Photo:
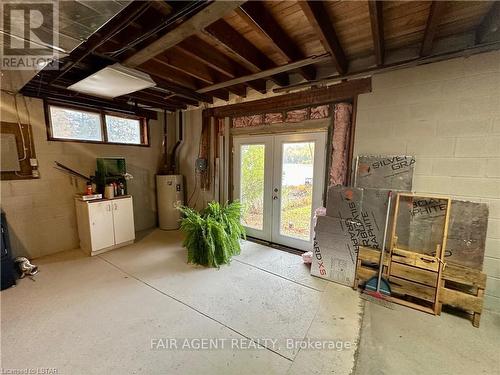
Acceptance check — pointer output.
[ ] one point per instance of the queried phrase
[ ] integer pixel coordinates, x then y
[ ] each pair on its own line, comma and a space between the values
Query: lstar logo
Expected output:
29, 33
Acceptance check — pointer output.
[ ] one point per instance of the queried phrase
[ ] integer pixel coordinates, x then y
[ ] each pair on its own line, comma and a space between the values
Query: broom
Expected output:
377, 286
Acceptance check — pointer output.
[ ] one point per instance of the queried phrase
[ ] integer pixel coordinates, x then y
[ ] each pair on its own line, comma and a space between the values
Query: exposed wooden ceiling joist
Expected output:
259, 19
318, 18
377, 24
179, 90
196, 23
438, 8
199, 50
230, 38
490, 26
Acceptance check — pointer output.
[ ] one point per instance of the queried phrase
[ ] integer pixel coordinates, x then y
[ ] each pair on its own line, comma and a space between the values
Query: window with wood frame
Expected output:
78, 124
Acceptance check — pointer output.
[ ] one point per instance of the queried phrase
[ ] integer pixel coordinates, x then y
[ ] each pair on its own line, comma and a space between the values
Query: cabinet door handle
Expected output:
116, 206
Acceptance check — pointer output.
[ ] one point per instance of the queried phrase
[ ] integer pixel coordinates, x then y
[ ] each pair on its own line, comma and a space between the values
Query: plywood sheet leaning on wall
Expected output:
385, 172
467, 234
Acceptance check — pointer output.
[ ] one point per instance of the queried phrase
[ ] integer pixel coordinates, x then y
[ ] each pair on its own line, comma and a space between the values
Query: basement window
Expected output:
75, 124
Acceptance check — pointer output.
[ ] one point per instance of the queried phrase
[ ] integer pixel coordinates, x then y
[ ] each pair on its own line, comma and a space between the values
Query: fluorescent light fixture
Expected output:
112, 81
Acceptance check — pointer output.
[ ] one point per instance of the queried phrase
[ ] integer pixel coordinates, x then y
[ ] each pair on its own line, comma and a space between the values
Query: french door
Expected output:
279, 179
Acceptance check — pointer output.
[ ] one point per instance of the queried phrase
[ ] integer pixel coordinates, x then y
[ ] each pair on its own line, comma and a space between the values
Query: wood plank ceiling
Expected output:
188, 47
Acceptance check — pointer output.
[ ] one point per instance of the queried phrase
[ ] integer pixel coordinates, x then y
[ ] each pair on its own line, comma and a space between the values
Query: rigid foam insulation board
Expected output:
373, 214
385, 172
467, 234
420, 224
344, 202
367, 206
335, 249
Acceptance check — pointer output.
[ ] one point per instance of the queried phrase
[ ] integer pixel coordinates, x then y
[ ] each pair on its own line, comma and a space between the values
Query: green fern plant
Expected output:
212, 236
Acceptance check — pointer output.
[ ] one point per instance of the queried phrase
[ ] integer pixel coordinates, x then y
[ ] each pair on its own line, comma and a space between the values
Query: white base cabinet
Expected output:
105, 224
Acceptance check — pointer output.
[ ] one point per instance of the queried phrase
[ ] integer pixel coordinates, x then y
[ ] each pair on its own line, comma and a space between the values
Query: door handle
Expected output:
115, 206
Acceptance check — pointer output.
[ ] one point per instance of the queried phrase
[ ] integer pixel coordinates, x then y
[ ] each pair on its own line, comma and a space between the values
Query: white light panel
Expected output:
112, 81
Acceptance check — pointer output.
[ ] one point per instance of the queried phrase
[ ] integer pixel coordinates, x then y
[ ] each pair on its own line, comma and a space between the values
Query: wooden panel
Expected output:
367, 254
414, 274
404, 22
352, 24
461, 300
464, 275
415, 259
408, 288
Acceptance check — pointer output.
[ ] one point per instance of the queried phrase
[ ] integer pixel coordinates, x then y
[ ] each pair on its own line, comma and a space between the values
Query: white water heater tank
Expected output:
170, 194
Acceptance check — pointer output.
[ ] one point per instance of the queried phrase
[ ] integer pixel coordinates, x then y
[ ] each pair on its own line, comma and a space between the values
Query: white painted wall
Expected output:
41, 213
447, 114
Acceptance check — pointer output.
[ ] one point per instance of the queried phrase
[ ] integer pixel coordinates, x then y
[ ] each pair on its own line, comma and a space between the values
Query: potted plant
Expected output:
213, 235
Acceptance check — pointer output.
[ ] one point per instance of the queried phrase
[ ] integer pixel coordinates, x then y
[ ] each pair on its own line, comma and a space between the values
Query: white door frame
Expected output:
265, 233
272, 179
319, 139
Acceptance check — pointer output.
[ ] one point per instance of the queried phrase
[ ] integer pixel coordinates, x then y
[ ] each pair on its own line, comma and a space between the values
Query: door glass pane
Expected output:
296, 190
252, 185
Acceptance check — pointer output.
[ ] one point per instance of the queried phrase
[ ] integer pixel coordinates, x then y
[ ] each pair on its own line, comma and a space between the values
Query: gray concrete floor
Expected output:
100, 315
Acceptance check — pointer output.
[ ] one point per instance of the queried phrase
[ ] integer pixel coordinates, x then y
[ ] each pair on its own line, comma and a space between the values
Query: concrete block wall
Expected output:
41, 213
447, 114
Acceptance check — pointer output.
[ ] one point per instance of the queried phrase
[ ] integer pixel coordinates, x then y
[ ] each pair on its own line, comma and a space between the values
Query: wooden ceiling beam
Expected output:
65, 96
255, 14
177, 59
436, 13
205, 53
219, 93
377, 24
169, 87
489, 28
232, 40
165, 71
266, 73
176, 100
318, 18
199, 50
211, 13
315, 96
